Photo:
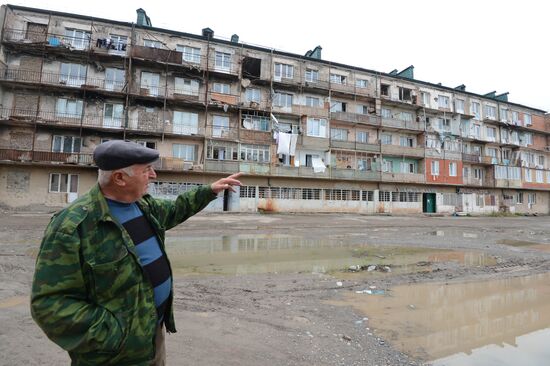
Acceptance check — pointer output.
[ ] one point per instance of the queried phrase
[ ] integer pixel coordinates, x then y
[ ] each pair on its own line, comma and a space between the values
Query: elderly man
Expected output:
102, 288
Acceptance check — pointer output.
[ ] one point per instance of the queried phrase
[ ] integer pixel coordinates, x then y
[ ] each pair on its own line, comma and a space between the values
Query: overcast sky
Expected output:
485, 44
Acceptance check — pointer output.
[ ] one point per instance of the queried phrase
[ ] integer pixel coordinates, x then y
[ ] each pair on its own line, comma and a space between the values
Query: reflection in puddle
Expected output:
242, 254
457, 324
526, 244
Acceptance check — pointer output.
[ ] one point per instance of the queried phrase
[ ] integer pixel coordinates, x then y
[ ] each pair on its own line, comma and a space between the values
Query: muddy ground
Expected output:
278, 318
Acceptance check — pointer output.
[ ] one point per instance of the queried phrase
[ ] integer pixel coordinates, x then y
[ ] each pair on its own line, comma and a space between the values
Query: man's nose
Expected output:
152, 174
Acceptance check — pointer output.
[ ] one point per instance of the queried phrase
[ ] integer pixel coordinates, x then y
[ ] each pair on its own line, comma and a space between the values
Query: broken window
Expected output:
338, 107
405, 94
385, 90
338, 79
189, 54
251, 68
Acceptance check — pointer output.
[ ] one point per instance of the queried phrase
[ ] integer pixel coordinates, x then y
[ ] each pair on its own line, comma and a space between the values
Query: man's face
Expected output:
136, 184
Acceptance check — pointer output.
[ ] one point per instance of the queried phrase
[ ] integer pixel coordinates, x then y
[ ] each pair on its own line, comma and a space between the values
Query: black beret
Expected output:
118, 154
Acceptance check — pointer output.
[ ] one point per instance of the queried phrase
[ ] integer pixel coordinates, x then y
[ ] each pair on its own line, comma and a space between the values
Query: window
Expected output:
78, 39
492, 152
384, 196
385, 90
63, 183
490, 112
256, 153
221, 88
475, 110
515, 116
539, 176
406, 141
184, 151
283, 71
519, 198
425, 98
527, 138
531, 198
540, 160
452, 169
186, 123
503, 114
385, 139
444, 124
72, 74
504, 136
113, 114
477, 131
258, 123
435, 167
478, 173
364, 164
338, 79
186, 86
361, 83
338, 107
222, 150
312, 76
247, 192
459, 105
363, 109
220, 127
222, 61
313, 102
405, 94
69, 108
506, 154
66, 144
114, 79
317, 127
465, 172
339, 134
282, 100
443, 101
253, 95
528, 176
491, 133
387, 166
150, 81
152, 43
406, 116
386, 113
118, 43
527, 119
362, 137
408, 167
149, 144
190, 54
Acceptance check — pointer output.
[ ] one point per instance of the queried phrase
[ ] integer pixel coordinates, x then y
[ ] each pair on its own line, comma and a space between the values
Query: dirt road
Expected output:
278, 307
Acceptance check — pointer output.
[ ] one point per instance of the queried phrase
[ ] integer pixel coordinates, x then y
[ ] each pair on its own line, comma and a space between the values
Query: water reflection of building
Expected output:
449, 319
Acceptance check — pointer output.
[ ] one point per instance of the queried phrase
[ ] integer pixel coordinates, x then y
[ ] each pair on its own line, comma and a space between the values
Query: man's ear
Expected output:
118, 179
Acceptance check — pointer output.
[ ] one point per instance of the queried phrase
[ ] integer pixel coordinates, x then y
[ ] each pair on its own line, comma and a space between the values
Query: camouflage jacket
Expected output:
89, 293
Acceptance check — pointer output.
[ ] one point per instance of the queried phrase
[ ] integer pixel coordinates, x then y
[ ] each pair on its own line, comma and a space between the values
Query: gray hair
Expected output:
104, 176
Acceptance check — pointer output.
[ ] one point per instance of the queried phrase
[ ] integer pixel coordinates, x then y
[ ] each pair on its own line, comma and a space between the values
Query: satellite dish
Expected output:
245, 83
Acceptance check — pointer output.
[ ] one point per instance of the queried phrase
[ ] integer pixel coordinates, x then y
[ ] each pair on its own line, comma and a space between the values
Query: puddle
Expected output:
504, 322
244, 254
526, 244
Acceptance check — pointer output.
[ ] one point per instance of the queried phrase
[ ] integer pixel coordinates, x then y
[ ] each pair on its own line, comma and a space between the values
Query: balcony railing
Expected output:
48, 39
176, 164
401, 124
157, 54
417, 152
479, 159
355, 174
37, 77
46, 157
367, 119
403, 177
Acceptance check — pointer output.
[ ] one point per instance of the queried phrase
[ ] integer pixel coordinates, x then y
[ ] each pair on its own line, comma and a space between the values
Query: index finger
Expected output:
236, 175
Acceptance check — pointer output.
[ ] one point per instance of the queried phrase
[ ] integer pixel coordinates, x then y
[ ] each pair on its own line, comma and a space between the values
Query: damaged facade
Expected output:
310, 135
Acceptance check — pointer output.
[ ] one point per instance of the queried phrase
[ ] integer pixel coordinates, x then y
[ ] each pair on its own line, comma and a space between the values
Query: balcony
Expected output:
366, 119
222, 132
221, 98
28, 156
315, 142
254, 168
157, 54
46, 78
417, 152
443, 154
52, 40
402, 125
355, 174
471, 181
508, 183
367, 147
305, 110
223, 65
255, 136
403, 177
478, 159
221, 166
342, 87
342, 144
175, 164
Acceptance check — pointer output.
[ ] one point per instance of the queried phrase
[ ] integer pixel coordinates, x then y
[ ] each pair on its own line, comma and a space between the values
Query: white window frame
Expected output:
459, 106
453, 169
220, 124
152, 43
69, 108
283, 71
527, 119
317, 127
338, 79
339, 134
253, 95
254, 153
362, 137
186, 152
475, 109
361, 83
78, 38
150, 81
313, 101
282, 100
435, 167
190, 54
72, 74
114, 79
222, 61
113, 115
443, 101
312, 75
221, 88
185, 123
186, 86
68, 178
74, 144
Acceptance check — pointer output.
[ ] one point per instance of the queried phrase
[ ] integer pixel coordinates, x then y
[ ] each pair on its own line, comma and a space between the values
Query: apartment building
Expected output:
310, 135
